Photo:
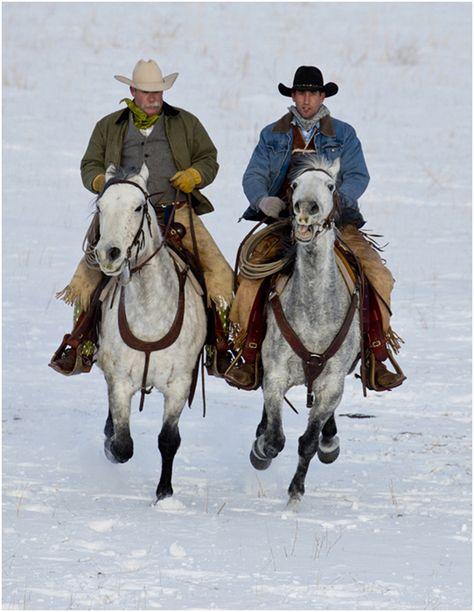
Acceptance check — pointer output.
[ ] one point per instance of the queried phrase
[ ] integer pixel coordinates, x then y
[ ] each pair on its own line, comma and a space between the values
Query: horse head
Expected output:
312, 195
123, 216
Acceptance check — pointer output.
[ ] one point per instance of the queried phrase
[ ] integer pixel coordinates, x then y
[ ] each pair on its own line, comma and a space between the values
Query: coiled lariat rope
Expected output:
251, 270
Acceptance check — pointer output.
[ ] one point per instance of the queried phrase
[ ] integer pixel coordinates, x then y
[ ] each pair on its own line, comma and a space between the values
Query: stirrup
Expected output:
244, 375
82, 363
371, 367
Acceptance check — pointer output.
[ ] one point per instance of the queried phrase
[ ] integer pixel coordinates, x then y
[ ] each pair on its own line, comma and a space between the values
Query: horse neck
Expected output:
316, 268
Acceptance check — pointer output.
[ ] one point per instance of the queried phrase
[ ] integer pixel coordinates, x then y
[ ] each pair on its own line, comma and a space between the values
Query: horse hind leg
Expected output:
329, 447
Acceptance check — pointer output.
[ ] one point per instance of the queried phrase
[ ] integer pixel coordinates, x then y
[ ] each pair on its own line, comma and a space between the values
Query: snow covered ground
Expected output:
388, 526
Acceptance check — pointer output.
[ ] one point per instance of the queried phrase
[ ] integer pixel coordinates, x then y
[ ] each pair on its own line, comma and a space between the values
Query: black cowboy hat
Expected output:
309, 78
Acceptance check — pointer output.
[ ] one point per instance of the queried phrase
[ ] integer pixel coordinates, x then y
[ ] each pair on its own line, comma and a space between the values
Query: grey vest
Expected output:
155, 151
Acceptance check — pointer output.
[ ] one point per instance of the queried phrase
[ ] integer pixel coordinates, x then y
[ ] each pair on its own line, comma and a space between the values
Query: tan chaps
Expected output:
370, 261
218, 274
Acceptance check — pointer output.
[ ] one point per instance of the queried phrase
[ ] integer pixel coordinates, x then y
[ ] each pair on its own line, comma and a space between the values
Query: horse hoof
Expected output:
294, 503
257, 459
117, 454
328, 450
163, 494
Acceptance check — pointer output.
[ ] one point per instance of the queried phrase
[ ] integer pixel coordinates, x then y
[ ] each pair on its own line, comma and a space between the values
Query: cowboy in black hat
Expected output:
309, 128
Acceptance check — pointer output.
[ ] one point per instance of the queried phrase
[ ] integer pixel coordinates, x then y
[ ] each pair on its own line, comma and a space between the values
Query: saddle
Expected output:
246, 372
77, 349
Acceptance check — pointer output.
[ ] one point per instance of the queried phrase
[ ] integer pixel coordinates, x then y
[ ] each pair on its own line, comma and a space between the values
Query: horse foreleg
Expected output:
328, 449
307, 448
118, 444
109, 426
169, 439
321, 421
263, 423
270, 437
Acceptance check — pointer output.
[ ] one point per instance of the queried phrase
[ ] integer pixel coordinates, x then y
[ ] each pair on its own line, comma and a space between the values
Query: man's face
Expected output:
308, 102
149, 101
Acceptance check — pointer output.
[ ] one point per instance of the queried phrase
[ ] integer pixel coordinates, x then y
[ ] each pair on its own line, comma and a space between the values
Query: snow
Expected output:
388, 525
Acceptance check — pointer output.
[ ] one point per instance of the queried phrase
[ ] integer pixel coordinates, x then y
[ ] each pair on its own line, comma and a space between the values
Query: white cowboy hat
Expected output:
147, 76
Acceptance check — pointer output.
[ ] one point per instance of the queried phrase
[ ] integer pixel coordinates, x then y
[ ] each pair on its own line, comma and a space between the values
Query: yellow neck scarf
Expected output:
140, 119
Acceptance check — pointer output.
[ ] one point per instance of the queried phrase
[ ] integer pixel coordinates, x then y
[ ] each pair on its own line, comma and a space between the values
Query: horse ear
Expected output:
335, 167
144, 173
110, 172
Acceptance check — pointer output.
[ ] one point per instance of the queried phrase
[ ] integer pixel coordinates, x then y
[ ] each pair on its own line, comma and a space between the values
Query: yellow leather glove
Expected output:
186, 180
98, 183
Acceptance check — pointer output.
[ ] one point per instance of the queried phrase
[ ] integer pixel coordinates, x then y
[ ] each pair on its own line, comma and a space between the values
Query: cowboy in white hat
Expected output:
181, 159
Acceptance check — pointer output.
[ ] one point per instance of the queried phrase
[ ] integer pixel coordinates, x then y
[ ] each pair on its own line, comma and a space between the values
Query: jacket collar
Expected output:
325, 125
168, 110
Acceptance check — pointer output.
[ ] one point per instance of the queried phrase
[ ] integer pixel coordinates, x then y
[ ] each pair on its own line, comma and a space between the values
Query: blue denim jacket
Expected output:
268, 166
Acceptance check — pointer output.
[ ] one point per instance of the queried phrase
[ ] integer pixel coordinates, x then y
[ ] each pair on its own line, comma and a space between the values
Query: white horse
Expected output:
313, 333
153, 324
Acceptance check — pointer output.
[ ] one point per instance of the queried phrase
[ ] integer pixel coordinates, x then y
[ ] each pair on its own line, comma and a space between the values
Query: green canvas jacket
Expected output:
189, 142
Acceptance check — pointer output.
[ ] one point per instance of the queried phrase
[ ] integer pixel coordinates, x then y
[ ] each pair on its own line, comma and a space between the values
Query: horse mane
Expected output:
117, 174
121, 174
307, 161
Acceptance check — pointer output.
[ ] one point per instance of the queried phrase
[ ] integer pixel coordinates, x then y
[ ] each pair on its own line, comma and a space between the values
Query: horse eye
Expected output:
331, 187
293, 185
139, 208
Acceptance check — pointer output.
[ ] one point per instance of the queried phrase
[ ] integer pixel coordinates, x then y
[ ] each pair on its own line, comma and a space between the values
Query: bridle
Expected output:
330, 220
138, 239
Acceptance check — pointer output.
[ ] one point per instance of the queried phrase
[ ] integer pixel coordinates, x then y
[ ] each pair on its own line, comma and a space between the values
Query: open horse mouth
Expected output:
110, 270
110, 267
304, 233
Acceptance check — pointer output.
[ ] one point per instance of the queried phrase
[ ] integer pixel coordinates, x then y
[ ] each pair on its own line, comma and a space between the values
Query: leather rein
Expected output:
314, 363
148, 347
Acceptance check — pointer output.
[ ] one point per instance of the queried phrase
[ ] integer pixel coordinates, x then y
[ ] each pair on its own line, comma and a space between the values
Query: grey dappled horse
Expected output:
154, 308
317, 307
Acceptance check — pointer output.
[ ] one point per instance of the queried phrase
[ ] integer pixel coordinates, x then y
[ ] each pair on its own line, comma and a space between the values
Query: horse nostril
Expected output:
114, 253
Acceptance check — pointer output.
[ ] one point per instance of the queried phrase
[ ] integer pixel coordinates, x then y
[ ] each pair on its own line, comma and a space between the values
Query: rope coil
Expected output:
251, 270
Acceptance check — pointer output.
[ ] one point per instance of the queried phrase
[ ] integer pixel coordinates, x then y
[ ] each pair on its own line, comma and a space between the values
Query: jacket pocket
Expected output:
331, 150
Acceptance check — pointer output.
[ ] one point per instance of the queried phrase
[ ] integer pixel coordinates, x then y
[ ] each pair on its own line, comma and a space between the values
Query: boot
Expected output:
245, 375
